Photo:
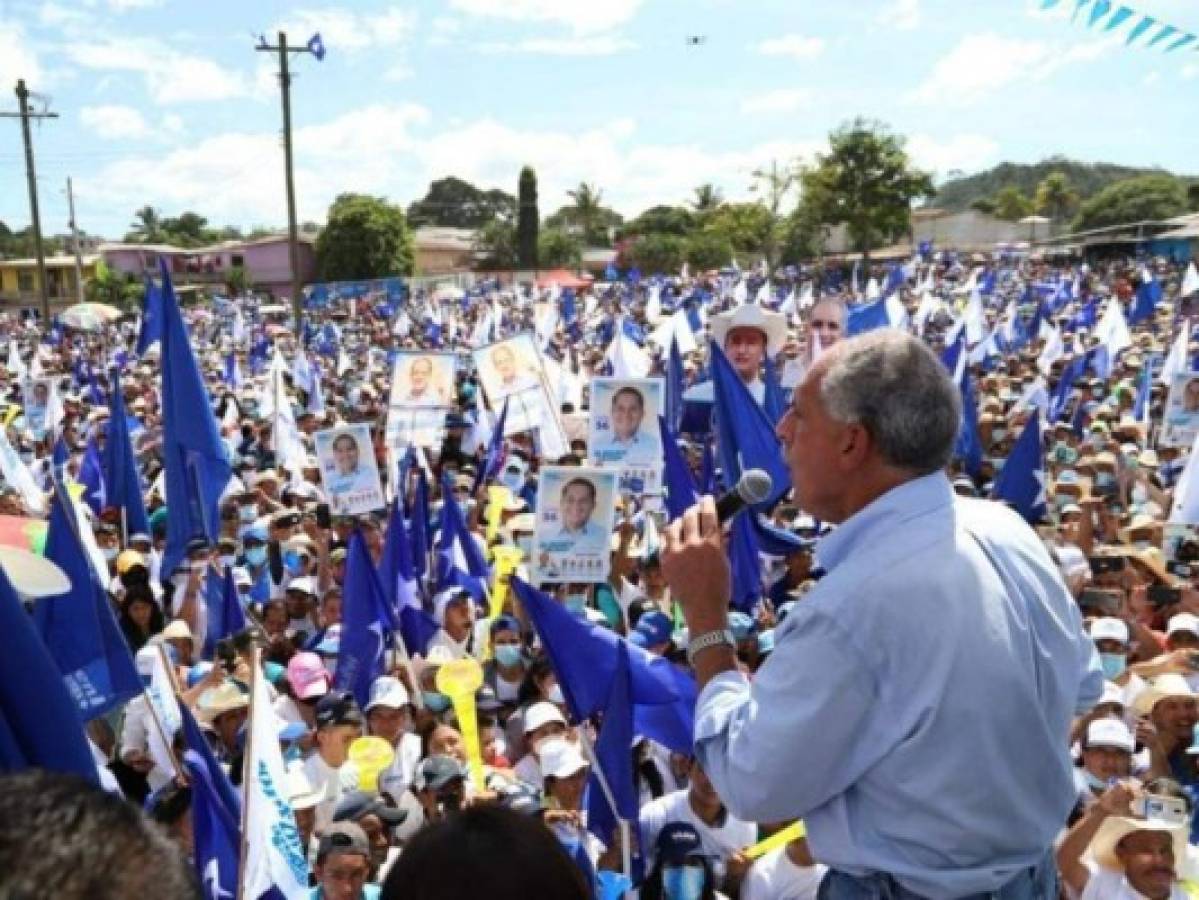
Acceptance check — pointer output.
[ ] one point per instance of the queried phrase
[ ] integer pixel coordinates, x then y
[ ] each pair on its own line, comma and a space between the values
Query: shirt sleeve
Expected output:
798, 735
1090, 687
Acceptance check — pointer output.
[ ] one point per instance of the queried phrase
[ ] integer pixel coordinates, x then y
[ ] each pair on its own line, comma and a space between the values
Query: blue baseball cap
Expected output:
678, 843
742, 625
653, 629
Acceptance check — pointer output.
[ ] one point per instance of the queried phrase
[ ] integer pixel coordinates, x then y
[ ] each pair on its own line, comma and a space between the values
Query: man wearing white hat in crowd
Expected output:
1107, 748
1169, 703
542, 722
1111, 640
135, 729
747, 335
389, 715
459, 634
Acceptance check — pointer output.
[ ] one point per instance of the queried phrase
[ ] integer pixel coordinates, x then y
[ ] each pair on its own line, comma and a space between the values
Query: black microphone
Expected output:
752, 487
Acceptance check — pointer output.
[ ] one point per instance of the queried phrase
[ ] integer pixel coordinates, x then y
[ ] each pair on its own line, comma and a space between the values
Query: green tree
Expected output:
1144, 198
187, 230
743, 226
1011, 204
556, 247
146, 227
114, 288
866, 182
984, 205
1056, 197
801, 235
676, 220
364, 237
1193, 196
773, 185
706, 250
588, 207
496, 243
657, 254
453, 203
527, 219
237, 281
707, 198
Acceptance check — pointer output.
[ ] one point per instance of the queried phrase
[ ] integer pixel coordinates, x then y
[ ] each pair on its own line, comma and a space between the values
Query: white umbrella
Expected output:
89, 316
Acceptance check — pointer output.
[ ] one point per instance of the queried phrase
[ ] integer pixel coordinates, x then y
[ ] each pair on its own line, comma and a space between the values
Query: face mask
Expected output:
247, 513
228, 560
1142, 545
1096, 440
682, 882
576, 603
507, 654
109, 553
556, 695
996, 463
435, 702
256, 556
513, 479
1094, 782
1113, 665
1139, 494
293, 562
1105, 480
998, 434
26, 457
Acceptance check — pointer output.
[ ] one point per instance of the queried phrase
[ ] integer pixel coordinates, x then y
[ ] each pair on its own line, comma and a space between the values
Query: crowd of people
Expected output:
397, 790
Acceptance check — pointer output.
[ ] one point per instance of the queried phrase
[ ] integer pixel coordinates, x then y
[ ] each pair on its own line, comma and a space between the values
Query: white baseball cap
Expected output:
542, 714
1109, 629
388, 691
1109, 733
1112, 693
560, 758
1188, 622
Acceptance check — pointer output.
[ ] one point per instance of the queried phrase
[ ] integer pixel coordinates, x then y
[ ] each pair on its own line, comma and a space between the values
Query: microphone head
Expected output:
754, 486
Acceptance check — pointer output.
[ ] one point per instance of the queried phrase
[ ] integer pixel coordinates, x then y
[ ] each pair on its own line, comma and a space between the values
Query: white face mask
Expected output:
555, 696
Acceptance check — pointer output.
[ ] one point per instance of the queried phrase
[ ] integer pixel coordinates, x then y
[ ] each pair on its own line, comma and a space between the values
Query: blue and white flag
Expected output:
1021, 481
215, 835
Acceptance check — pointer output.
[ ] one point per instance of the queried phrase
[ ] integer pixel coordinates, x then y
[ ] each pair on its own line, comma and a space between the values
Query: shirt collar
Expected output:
903, 502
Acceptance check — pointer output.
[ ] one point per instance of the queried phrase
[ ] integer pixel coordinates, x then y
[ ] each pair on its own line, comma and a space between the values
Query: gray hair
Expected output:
834, 301
894, 386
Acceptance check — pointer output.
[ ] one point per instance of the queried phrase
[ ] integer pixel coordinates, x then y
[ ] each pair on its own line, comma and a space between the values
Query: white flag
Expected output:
1112, 330
17, 474
740, 292
975, 318
676, 328
653, 304
1176, 361
16, 365
1053, 350
160, 694
627, 359
274, 855
1190, 281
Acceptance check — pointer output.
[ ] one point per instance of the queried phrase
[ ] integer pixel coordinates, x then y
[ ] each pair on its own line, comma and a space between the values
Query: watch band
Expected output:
701, 642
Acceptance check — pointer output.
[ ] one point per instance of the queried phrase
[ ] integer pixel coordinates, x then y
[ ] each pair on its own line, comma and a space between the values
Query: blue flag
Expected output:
459, 558
225, 613
39, 721
746, 436
495, 452
745, 563
773, 401
419, 526
366, 621
707, 470
583, 656
865, 317
968, 447
1149, 294
215, 833
195, 742
1140, 408
676, 475
1021, 481
78, 627
91, 476
674, 387
1059, 402
121, 478
151, 330
397, 577
614, 756
194, 457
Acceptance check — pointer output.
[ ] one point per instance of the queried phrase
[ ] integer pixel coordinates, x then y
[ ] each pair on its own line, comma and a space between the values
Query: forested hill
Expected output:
1086, 178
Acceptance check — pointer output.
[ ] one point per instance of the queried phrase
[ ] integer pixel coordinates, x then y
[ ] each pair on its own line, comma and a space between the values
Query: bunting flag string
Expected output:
1161, 35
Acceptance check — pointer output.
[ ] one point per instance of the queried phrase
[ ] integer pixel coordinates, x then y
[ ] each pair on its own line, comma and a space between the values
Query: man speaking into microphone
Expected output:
916, 709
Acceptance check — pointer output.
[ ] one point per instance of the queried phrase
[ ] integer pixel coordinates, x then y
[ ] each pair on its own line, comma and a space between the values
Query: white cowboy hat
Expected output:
1171, 684
33, 576
751, 315
1115, 828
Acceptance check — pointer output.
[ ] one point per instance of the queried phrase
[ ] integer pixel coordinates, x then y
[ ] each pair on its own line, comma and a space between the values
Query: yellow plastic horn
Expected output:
776, 840
459, 680
371, 756
506, 560
497, 498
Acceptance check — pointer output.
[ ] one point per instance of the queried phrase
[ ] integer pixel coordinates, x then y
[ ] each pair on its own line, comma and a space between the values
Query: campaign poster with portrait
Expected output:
422, 392
624, 432
348, 470
511, 372
1180, 423
576, 509
36, 394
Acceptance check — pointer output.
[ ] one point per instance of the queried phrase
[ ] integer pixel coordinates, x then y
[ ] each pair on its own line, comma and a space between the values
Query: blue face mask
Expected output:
293, 562
682, 882
576, 603
256, 556
1113, 665
1094, 782
1105, 480
507, 655
247, 513
435, 702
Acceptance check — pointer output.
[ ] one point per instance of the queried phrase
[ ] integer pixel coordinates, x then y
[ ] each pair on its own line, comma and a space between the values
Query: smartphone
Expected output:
1103, 602
1105, 565
1170, 810
1160, 595
324, 518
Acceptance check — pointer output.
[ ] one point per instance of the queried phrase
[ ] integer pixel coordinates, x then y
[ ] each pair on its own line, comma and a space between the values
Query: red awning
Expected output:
563, 279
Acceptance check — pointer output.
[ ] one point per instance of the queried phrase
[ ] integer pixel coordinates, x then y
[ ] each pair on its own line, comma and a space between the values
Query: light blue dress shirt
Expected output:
916, 709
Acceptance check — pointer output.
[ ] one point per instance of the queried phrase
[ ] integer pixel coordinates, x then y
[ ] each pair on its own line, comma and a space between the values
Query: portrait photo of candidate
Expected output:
623, 428
40, 394
348, 468
424, 385
511, 372
345, 456
1190, 396
576, 503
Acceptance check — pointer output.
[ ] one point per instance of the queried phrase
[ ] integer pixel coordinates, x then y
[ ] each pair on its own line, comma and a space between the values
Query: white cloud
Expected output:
1190, 70
115, 122
170, 76
783, 100
795, 46
17, 58
346, 31
982, 64
581, 16
125, 5
593, 45
966, 152
902, 15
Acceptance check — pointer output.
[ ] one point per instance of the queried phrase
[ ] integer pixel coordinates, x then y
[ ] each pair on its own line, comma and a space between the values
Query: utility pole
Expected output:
31, 176
317, 50
75, 240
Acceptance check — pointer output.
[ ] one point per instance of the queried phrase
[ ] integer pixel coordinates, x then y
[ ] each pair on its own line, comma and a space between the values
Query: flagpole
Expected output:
247, 773
626, 851
166, 741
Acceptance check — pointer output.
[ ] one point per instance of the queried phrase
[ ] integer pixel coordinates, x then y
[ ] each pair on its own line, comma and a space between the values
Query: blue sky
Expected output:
165, 102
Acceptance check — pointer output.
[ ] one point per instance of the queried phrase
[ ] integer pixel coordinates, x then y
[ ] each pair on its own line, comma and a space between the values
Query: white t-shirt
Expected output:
1107, 884
327, 780
776, 877
528, 770
288, 710
720, 842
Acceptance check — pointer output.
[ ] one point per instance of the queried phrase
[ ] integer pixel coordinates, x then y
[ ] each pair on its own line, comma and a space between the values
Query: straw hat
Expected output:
32, 575
219, 700
1115, 828
1171, 684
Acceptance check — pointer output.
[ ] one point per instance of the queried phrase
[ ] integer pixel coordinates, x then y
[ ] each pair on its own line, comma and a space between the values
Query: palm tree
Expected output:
707, 198
1056, 196
147, 225
588, 202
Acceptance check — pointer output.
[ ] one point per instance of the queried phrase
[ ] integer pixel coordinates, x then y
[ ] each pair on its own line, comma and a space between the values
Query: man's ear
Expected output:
856, 445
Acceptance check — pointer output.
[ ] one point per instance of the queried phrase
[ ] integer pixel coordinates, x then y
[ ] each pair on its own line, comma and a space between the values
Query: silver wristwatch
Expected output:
701, 642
